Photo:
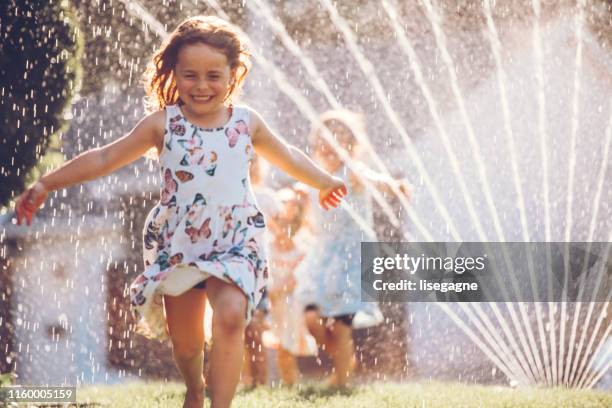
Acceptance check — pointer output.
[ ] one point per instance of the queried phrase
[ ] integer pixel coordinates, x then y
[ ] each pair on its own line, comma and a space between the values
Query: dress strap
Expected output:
171, 111
241, 112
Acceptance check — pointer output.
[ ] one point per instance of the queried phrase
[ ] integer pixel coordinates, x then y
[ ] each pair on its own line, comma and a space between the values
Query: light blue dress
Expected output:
330, 275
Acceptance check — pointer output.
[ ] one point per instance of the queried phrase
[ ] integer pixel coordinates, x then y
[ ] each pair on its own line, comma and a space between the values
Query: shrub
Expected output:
39, 75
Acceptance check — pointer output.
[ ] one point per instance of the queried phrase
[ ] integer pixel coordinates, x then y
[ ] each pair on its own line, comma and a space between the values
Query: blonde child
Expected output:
287, 326
255, 366
206, 227
330, 288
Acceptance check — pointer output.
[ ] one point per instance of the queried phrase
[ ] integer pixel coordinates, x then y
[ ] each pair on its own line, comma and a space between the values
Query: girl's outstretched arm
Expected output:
93, 163
382, 182
296, 163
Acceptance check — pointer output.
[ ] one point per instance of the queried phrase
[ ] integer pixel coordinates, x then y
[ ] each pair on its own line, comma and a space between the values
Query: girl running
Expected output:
330, 276
205, 236
291, 338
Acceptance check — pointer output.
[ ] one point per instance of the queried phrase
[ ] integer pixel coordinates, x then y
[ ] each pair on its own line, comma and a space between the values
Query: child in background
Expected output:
255, 366
330, 276
288, 327
205, 238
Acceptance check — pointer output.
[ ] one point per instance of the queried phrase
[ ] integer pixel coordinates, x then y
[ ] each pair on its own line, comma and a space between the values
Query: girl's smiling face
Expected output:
203, 78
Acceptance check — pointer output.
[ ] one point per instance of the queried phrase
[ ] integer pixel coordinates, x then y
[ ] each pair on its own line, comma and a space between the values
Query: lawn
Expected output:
416, 395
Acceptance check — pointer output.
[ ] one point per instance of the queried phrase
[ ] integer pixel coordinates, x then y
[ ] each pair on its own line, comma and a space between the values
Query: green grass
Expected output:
416, 395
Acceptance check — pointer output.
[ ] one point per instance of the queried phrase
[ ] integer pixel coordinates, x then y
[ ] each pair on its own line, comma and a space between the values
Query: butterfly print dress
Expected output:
206, 223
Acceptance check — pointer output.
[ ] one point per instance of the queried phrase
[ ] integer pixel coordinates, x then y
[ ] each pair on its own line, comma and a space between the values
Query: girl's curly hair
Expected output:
353, 122
159, 82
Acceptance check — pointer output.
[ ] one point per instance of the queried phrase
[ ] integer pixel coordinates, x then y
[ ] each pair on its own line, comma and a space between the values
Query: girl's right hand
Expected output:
30, 201
331, 196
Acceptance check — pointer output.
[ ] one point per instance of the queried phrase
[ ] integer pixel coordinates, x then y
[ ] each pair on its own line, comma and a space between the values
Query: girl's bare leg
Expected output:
287, 366
336, 338
185, 319
316, 326
229, 320
343, 355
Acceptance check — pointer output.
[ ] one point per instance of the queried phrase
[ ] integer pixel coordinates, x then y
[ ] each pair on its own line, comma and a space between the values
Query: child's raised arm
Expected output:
294, 162
382, 182
93, 163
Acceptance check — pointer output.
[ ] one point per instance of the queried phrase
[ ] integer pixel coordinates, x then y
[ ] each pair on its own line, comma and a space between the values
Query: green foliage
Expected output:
39, 75
118, 44
53, 158
7, 379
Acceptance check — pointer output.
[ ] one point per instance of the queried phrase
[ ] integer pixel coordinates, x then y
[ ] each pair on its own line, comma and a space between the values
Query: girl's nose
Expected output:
201, 85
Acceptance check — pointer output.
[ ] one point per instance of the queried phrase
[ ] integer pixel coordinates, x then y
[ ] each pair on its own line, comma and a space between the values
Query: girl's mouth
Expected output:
202, 99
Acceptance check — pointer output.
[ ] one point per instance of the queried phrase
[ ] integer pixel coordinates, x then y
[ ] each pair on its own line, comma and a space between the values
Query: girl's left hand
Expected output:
405, 188
331, 196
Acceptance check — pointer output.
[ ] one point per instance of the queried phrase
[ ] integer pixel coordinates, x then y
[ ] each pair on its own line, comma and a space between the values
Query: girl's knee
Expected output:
187, 348
230, 317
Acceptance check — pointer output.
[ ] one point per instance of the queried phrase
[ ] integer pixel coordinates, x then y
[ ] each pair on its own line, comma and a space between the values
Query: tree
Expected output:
118, 45
39, 75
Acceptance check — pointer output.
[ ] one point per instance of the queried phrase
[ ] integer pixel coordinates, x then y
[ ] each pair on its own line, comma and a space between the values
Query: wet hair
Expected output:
159, 81
351, 121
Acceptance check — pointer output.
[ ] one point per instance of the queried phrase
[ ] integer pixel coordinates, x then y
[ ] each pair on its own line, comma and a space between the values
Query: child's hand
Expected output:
331, 196
405, 187
30, 201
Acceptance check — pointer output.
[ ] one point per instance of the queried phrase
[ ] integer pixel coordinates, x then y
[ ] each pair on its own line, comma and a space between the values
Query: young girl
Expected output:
207, 230
255, 366
331, 275
288, 327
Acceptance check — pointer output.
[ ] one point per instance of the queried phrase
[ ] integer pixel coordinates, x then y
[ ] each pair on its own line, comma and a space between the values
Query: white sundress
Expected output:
206, 223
